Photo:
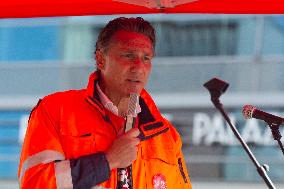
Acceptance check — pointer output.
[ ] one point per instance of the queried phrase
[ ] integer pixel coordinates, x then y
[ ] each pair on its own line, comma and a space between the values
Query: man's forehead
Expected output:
131, 37
131, 41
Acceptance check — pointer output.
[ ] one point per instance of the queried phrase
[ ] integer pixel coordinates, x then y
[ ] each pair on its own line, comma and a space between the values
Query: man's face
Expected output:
126, 64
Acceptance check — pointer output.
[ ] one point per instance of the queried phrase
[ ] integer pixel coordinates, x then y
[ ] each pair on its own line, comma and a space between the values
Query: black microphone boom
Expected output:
251, 112
216, 87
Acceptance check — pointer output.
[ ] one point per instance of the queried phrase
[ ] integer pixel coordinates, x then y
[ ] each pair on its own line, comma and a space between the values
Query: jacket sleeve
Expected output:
43, 163
180, 159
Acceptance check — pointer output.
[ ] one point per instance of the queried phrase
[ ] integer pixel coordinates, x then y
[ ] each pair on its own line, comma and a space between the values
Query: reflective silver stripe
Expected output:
99, 187
63, 175
44, 157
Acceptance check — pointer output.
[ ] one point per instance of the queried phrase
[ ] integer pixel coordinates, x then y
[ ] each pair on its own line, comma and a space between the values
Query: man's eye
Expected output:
129, 55
147, 58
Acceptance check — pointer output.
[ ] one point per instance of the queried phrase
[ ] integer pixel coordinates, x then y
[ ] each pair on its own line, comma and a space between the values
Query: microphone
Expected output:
251, 112
131, 111
124, 180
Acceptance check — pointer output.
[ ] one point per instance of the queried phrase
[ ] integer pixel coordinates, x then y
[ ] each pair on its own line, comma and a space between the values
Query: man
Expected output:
77, 139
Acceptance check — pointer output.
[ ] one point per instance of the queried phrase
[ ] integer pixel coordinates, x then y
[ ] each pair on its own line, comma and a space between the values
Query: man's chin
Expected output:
134, 90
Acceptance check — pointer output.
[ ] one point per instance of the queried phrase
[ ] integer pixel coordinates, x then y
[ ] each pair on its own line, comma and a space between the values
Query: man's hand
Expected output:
123, 151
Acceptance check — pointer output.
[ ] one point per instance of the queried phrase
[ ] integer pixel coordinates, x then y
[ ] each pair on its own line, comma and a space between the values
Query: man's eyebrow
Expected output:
127, 49
149, 54
131, 50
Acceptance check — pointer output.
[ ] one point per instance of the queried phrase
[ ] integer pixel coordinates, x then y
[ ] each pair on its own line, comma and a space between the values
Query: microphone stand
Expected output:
216, 87
276, 134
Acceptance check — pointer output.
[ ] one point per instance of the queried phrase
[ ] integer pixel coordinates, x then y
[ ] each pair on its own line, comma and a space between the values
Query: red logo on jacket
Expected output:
159, 181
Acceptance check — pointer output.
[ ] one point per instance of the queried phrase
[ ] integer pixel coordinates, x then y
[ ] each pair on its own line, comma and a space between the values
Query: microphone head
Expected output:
133, 102
248, 111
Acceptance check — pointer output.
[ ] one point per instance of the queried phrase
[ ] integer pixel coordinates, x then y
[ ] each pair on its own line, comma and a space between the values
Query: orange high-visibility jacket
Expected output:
67, 127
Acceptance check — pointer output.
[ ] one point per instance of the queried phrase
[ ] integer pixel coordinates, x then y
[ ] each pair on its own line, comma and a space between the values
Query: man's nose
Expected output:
138, 62
138, 65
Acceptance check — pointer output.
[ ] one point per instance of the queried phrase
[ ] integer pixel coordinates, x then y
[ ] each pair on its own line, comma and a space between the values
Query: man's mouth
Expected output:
133, 80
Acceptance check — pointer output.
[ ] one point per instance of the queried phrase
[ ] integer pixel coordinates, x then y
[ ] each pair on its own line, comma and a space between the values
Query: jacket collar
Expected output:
151, 122
91, 93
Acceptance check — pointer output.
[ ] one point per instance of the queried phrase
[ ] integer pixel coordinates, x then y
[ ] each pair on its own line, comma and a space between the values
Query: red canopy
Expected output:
42, 8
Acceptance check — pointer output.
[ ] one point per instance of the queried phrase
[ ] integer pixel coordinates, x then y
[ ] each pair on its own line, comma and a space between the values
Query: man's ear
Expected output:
100, 59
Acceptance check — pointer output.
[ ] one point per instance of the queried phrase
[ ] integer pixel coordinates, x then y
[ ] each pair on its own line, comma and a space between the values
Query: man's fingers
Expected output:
135, 141
120, 131
133, 132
